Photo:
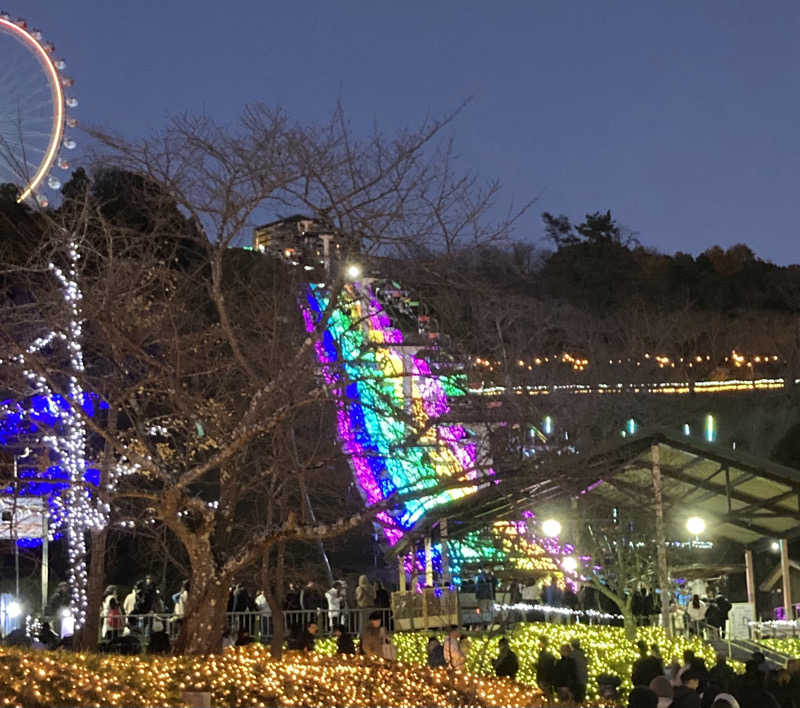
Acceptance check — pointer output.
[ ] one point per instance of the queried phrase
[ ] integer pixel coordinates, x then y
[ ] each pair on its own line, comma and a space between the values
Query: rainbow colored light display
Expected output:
389, 405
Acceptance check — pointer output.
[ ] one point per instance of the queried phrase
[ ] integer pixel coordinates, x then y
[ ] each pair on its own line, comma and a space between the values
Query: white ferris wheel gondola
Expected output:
33, 110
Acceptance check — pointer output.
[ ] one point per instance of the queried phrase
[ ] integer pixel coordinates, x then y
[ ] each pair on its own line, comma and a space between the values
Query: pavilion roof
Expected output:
744, 498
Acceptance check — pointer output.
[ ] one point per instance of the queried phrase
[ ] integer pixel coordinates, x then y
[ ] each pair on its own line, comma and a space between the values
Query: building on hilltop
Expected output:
305, 241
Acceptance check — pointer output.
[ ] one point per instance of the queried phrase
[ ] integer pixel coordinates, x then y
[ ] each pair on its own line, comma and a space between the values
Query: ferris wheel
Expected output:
33, 110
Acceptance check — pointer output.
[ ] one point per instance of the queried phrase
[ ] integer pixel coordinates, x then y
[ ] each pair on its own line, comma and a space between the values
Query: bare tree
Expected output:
218, 424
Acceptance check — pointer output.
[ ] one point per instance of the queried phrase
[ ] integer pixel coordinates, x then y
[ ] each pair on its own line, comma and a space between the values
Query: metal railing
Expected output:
257, 626
774, 629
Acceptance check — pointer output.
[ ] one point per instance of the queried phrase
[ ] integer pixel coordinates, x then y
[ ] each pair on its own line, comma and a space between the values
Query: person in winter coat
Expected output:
565, 675
454, 656
721, 675
110, 592
113, 620
241, 599
686, 695
750, 690
582, 667
335, 599
365, 598
182, 597
545, 668
697, 613
646, 667
435, 653
344, 640
506, 663
382, 598
373, 637
365, 593
291, 604
304, 639
642, 697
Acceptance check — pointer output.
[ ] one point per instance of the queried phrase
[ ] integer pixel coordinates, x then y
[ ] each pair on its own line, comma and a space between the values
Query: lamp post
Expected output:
14, 521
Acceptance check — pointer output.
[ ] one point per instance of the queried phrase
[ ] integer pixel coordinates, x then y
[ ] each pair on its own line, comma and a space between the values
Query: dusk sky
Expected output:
680, 117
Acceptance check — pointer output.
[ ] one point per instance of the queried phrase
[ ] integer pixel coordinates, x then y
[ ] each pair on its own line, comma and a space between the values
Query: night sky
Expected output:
680, 117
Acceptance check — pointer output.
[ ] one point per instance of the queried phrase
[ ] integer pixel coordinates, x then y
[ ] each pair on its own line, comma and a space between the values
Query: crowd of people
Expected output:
691, 684
143, 612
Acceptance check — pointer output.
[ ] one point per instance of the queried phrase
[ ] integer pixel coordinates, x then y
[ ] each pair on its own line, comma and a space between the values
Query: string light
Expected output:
246, 676
73, 508
389, 402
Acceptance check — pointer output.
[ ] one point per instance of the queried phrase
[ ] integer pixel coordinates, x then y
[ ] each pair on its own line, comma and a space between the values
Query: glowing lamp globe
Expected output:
13, 609
551, 528
569, 564
353, 271
696, 525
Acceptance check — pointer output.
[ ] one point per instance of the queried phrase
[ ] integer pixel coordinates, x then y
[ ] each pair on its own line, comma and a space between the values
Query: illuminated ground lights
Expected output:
247, 677
243, 677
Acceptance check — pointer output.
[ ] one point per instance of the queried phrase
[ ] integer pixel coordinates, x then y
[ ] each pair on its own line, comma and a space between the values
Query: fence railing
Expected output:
774, 629
257, 625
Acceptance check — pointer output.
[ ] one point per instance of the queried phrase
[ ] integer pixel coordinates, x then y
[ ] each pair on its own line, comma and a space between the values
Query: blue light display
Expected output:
22, 425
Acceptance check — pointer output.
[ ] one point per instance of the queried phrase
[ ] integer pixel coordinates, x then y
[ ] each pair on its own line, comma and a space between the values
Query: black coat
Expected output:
545, 670
344, 644
506, 664
685, 698
565, 673
645, 669
436, 656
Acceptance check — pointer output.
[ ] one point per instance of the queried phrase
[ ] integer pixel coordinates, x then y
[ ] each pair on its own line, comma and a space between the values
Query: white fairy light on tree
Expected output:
75, 510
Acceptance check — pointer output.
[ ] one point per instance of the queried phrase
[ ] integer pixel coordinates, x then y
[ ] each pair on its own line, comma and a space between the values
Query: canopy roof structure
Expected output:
740, 497
749, 500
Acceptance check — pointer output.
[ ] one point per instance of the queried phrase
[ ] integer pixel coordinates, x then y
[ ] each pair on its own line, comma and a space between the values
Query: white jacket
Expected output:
334, 599
453, 655
696, 613
180, 605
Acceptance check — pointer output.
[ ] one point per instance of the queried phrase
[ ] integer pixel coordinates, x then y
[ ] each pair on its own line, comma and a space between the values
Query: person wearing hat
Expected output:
686, 695
725, 700
661, 686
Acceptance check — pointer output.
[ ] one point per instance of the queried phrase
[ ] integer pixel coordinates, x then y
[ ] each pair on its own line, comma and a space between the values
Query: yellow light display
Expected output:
247, 676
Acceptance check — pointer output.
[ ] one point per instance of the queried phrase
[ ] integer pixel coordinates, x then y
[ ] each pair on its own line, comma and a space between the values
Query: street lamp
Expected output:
353, 271
569, 564
696, 525
551, 528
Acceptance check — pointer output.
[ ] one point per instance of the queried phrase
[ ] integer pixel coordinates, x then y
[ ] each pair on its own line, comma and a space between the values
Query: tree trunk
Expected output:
90, 631
278, 634
629, 623
205, 620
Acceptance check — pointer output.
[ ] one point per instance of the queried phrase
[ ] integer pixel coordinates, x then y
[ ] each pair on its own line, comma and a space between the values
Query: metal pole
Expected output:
428, 562
45, 555
14, 521
661, 541
401, 574
787, 581
750, 577
445, 552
